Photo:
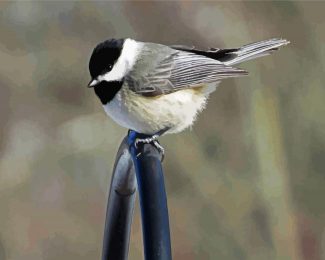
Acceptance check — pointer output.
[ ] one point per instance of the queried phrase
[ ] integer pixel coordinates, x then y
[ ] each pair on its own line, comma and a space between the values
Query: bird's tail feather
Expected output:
254, 50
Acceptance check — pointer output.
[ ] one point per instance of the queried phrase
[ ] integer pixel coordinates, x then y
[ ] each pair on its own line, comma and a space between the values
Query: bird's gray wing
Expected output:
162, 70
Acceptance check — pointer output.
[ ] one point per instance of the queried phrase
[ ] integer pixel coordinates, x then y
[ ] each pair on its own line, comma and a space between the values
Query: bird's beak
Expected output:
92, 83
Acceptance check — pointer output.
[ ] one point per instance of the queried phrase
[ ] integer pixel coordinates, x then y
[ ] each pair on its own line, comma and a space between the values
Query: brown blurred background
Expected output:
247, 182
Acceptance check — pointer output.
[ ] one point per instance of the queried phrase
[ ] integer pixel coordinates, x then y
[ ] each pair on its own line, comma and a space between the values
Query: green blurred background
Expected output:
247, 182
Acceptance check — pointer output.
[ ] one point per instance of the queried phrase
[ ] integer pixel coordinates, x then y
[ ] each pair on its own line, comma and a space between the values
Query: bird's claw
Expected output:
145, 140
160, 148
152, 139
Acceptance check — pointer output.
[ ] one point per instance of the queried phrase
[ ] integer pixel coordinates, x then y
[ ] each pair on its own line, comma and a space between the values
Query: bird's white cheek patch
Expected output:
125, 62
116, 74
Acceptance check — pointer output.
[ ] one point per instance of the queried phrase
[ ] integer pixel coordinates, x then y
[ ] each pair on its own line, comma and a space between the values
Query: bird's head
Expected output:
110, 62
105, 64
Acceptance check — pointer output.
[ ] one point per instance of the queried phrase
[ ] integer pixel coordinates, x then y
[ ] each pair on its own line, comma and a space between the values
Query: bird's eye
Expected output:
110, 66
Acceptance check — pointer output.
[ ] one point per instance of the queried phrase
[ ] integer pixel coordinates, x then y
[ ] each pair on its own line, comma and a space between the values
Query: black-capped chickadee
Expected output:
156, 89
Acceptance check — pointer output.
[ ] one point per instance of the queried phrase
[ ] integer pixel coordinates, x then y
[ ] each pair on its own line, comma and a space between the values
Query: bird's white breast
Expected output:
148, 115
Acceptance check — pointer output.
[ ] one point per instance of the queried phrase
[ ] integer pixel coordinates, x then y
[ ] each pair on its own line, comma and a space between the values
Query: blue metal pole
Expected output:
120, 207
153, 200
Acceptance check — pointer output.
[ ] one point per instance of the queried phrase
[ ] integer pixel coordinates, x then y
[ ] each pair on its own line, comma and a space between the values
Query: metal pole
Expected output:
120, 207
153, 200
145, 161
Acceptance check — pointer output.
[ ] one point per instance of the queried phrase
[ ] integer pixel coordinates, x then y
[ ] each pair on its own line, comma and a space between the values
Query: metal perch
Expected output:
155, 223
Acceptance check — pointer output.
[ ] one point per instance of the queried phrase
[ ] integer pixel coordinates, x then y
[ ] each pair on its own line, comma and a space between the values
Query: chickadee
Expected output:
156, 89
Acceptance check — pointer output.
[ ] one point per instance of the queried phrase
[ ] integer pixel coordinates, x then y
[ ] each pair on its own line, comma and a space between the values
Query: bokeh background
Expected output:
247, 182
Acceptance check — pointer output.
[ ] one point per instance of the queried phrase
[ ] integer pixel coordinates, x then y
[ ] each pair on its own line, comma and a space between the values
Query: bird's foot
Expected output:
153, 139
147, 140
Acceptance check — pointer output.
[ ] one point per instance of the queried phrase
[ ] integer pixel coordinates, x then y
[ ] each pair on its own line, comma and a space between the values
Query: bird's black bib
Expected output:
106, 91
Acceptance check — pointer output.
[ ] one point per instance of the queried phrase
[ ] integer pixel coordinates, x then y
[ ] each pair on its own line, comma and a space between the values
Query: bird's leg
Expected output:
153, 139
147, 140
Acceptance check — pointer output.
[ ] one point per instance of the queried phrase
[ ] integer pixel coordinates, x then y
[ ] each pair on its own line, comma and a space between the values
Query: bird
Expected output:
156, 89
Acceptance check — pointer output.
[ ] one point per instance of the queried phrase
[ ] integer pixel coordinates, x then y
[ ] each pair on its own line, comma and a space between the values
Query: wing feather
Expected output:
178, 70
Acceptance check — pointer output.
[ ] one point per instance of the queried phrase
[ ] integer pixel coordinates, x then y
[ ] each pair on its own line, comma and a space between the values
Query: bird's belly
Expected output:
149, 115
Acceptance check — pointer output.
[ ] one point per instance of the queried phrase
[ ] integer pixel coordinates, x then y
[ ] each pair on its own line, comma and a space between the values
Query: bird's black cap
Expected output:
104, 56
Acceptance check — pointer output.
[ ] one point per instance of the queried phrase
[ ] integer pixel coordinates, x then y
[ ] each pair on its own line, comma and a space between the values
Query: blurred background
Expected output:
247, 182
